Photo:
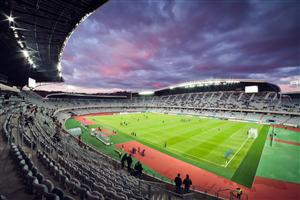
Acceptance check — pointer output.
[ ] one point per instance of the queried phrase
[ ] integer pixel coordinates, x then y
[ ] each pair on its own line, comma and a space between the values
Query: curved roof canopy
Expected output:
33, 34
215, 85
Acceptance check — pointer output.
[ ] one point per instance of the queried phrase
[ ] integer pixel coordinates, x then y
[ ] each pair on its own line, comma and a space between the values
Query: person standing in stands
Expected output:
187, 182
138, 169
129, 162
123, 159
178, 183
79, 140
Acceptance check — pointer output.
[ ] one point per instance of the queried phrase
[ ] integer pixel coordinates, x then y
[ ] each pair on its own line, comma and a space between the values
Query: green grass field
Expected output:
202, 142
281, 161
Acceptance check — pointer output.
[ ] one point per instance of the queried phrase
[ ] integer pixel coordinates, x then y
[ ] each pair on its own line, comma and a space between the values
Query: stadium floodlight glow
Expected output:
25, 53
20, 44
60, 74
30, 61
146, 93
59, 67
16, 35
33, 66
10, 19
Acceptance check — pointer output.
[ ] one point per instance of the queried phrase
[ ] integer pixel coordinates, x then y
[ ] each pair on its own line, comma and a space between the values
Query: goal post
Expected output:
252, 133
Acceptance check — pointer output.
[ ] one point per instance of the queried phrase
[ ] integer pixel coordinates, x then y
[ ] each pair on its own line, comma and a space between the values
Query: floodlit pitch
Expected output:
216, 145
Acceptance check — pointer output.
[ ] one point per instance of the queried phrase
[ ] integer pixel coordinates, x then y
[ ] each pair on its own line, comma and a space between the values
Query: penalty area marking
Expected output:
189, 155
227, 163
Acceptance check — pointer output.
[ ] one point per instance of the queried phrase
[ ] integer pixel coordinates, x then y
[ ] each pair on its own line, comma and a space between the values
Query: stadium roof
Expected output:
33, 35
214, 85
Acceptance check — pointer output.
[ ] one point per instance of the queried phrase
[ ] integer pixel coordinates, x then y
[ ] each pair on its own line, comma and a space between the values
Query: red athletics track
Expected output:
287, 127
262, 189
98, 114
84, 120
107, 132
287, 142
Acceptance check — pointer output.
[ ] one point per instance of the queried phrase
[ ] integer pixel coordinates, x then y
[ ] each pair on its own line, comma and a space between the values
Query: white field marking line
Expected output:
236, 132
236, 153
195, 157
205, 139
187, 155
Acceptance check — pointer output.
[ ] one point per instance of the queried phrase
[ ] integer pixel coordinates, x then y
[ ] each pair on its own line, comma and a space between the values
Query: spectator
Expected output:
143, 152
123, 159
79, 140
178, 183
239, 193
133, 151
187, 183
129, 162
138, 169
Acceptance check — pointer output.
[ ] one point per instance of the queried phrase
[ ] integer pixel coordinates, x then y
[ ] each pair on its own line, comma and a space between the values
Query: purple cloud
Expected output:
151, 44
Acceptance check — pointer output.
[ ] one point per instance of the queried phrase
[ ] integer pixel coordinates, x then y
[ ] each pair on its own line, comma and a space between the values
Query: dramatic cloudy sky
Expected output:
140, 44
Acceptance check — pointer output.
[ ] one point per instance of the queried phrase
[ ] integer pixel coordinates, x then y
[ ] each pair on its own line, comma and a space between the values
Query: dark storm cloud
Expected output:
150, 44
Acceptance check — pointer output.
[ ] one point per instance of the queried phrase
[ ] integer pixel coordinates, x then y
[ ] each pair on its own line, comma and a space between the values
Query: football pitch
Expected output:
219, 146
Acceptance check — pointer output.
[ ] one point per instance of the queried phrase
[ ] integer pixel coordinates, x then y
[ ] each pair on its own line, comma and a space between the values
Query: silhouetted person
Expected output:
123, 159
143, 152
79, 140
239, 193
178, 183
138, 169
187, 182
129, 162
133, 151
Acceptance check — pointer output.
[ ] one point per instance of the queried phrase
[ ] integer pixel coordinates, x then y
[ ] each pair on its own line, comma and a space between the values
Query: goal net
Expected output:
252, 133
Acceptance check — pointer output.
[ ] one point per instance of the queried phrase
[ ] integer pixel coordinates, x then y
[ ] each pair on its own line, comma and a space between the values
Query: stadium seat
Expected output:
40, 177
81, 191
29, 183
68, 198
94, 195
59, 192
49, 185
39, 190
51, 196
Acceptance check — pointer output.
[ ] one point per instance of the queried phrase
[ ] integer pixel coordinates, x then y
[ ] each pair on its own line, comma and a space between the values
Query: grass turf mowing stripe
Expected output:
280, 161
236, 153
201, 142
246, 172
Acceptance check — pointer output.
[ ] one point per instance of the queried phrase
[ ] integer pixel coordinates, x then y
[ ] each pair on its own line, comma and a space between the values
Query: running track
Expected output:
262, 189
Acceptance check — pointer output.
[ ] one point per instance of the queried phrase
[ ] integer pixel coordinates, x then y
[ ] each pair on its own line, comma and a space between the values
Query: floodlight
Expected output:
30, 61
20, 44
59, 67
10, 19
25, 53
146, 93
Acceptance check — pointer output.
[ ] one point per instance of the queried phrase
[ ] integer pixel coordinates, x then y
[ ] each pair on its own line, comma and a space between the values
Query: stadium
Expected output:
236, 138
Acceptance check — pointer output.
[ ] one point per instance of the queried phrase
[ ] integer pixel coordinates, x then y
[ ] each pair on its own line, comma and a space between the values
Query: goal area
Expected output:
252, 133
